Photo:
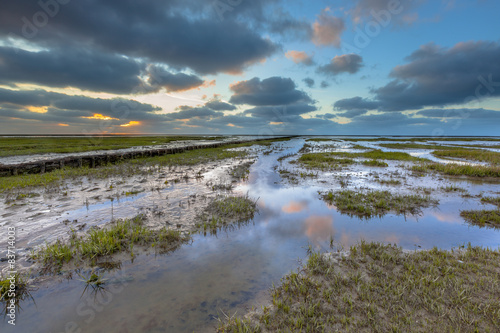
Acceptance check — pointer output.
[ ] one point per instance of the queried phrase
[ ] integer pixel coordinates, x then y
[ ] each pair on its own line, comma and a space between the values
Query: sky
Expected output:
258, 67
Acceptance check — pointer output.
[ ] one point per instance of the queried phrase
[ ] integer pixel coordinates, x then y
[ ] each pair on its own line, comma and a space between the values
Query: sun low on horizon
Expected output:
363, 67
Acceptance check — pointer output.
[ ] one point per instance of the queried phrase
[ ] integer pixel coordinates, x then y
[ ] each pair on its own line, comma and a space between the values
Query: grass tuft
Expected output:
482, 218
470, 154
226, 211
375, 163
120, 235
377, 203
379, 288
454, 169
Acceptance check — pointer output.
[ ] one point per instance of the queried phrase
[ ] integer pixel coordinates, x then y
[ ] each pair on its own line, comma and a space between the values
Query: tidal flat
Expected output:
295, 234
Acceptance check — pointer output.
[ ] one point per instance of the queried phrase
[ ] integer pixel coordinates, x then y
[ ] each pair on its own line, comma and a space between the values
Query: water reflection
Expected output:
185, 291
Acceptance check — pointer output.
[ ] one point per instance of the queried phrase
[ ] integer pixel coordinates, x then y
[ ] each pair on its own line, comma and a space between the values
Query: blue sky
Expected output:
385, 67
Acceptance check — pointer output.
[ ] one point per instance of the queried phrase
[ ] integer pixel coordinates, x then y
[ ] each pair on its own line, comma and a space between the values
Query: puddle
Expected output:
186, 290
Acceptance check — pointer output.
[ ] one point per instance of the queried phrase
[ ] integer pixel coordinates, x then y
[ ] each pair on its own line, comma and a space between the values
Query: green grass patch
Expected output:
377, 203
27, 146
422, 139
482, 218
120, 235
375, 163
14, 289
470, 154
379, 288
324, 161
321, 140
228, 211
360, 147
414, 146
454, 169
491, 200
125, 168
453, 188
380, 155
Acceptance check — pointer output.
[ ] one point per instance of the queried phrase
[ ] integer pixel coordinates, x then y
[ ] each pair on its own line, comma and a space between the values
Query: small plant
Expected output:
375, 163
377, 203
225, 211
491, 200
453, 188
120, 235
454, 169
482, 218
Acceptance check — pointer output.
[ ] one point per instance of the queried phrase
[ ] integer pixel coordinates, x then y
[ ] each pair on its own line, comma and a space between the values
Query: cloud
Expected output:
300, 57
189, 113
309, 82
70, 67
324, 84
346, 63
461, 114
355, 103
400, 12
88, 69
327, 29
68, 108
219, 105
271, 91
281, 112
352, 113
437, 76
160, 31
161, 78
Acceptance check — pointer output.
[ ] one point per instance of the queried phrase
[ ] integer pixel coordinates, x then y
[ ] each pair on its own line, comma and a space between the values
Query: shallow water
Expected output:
186, 290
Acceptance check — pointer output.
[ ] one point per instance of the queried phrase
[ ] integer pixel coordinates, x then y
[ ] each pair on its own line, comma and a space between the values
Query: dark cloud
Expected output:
82, 68
88, 69
324, 84
346, 63
189, 113
161, 78
282, 23
436, 77
272, 91
355, 103
348, 114
160, 31
460, 113
274, 112
352, 113
67, 106
309, 82
219, 105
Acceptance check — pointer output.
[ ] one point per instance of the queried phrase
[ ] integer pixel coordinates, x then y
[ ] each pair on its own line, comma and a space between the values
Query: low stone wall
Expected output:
93, 161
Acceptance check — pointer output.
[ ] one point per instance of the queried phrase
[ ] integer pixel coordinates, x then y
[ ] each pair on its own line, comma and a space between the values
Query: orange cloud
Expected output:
38, 109
100, 117
207, 84
294, 207
327, 29
64, 125
299, 57
132, 123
